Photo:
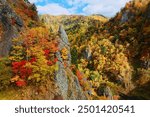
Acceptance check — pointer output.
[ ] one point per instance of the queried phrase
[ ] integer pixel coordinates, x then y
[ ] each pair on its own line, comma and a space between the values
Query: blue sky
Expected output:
81, 7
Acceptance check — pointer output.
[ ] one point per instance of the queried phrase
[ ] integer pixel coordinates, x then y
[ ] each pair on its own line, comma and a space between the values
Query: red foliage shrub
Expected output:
50, 63
32, 60
16, 66
55, 60
21, 83
19, 69
25, 72
46, 53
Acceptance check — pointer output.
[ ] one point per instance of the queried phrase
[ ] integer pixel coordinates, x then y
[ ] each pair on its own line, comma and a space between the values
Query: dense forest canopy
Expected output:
74, 56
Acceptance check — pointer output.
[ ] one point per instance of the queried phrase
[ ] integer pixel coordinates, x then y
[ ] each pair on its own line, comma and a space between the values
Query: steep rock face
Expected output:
65, 79
64, 46
11, 24
14, 15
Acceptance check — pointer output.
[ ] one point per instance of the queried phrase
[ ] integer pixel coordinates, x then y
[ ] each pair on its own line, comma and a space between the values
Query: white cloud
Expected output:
53, 9
99, 9
105, 7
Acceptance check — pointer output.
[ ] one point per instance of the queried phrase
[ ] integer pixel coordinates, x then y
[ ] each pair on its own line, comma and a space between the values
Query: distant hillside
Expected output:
77, 27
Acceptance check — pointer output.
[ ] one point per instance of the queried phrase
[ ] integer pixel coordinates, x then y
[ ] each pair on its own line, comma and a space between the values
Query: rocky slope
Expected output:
74, 57
12, 20
8, 30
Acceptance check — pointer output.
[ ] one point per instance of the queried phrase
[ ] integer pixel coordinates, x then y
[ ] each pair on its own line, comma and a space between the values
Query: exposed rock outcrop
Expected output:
14, 15
87, 53
7, 17
106, 91
65, 79
11, 25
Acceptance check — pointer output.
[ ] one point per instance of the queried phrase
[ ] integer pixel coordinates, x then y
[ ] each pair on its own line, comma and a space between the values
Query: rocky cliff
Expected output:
7, 16
12, 19
65, 79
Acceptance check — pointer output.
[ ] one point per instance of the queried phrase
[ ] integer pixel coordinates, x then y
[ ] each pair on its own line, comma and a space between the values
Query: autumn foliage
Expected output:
111, 51
79, 75
34, 59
